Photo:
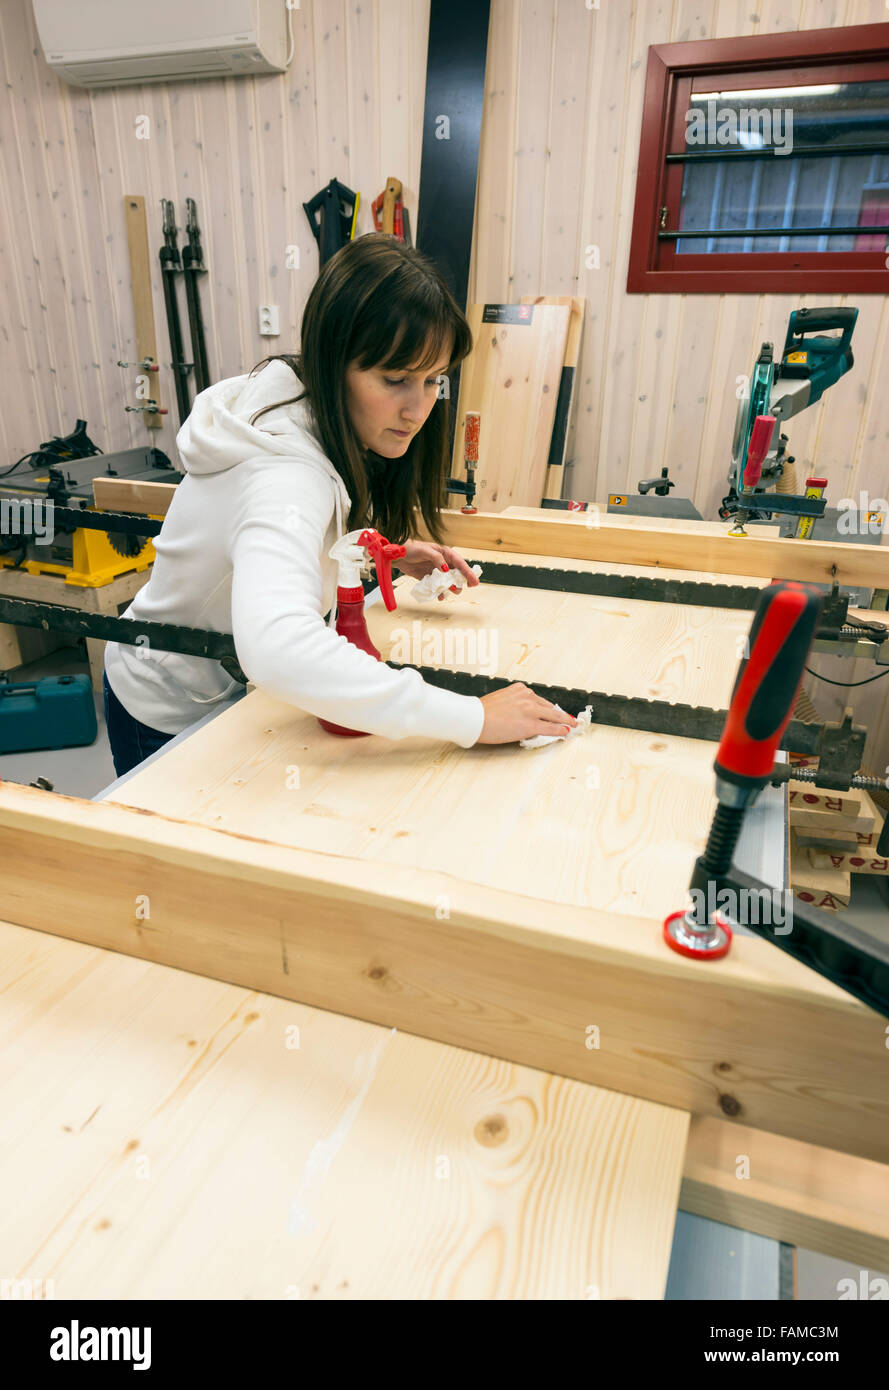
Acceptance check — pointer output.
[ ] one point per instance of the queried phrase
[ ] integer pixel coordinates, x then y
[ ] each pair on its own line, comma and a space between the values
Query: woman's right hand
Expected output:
515, 712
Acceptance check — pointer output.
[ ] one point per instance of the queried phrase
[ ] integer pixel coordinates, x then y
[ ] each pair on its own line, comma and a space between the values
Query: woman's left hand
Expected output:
422, 557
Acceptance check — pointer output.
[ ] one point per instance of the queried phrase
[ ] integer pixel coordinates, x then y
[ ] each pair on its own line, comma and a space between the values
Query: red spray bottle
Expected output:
350, 623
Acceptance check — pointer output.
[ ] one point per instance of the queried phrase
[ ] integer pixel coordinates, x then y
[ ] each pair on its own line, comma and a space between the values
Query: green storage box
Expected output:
56, 712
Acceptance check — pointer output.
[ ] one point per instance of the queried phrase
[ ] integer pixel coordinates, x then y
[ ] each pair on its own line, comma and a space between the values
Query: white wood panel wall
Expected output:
656, 382
249, 150
557, 174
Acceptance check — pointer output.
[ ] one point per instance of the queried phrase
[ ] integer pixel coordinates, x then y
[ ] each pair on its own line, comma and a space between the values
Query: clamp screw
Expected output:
708, 942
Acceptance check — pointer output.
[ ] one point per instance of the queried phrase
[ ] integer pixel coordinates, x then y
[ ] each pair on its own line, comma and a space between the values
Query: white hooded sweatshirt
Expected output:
244, 549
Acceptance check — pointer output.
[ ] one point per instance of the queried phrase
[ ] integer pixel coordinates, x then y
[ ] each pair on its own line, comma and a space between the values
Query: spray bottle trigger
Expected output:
383, 552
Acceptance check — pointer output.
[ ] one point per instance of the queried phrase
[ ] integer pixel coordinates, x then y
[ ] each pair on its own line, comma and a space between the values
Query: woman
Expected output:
272, 480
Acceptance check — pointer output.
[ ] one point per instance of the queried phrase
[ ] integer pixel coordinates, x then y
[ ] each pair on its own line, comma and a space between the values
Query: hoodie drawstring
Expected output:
331, 621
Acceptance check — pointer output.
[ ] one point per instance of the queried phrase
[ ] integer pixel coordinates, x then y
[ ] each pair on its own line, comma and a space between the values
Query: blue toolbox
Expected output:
56, 712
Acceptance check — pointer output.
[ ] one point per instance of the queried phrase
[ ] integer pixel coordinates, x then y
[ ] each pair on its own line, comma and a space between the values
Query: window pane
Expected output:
827, 189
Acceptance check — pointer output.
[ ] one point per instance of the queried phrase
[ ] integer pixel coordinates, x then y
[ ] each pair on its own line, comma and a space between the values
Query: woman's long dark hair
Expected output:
379, 303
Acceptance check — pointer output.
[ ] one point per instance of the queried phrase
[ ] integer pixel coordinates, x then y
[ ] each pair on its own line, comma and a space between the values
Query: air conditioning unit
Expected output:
110, 43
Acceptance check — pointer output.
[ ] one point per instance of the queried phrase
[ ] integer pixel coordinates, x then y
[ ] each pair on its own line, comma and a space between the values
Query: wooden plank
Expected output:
512, 378
432, 1106
492, 258
845, 861
807, 841
620, 815
19, 646
143, 308
497, 971
644, 802
698, 547
367, 1164
553, 485
639, 522
815, 818
683, 547
837, 839
808, 1196
123, 495
828, 887
805, 796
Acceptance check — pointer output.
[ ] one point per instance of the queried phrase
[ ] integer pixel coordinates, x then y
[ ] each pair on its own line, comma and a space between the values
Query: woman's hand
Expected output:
422, 557
516, 712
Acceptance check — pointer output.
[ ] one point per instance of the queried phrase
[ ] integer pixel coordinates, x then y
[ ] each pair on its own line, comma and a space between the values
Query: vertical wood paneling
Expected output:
489, 271
363, 132
597, 248
623, 386
299, 174
394, 76
656, 380
566, 146
533, 87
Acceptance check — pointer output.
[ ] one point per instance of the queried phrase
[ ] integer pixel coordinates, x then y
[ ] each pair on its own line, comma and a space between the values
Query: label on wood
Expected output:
838, 839
804, 794
826, 900
507, 313
852, 863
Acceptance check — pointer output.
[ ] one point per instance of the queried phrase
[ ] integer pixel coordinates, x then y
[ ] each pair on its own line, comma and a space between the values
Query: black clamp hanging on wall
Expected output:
170, 265
192, 265
331, 215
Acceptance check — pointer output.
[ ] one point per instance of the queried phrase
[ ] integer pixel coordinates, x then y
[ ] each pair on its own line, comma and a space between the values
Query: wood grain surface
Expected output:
512, 378
168, 1136
611, 818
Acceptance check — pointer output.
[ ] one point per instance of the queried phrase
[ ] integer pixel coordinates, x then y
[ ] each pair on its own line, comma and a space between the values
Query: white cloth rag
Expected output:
438, 582
583, 722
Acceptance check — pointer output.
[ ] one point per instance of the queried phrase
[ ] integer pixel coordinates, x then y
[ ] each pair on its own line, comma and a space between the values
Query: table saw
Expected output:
367, 1019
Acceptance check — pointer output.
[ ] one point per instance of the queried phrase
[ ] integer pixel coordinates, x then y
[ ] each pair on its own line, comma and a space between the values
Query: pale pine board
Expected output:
363, 1164
812, 1197
512, 378
532, 821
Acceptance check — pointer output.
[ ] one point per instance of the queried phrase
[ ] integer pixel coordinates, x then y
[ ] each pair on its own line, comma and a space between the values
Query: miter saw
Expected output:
778, 390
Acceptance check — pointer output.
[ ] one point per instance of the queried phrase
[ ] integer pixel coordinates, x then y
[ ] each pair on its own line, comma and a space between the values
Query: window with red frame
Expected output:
764, 165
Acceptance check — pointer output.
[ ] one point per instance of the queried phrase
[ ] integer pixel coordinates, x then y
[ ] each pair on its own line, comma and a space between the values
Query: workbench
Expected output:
481, 1083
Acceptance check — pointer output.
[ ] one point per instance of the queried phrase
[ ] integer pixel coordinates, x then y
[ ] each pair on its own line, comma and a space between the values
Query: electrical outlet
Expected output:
268, 320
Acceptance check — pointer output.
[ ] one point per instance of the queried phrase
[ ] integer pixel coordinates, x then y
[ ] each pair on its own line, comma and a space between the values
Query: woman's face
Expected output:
388, 408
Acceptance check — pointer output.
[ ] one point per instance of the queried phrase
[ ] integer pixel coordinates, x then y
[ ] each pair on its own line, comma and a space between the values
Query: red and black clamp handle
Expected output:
758, 447
762, 702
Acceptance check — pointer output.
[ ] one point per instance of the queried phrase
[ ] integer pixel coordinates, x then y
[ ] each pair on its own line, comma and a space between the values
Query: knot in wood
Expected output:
491, 1131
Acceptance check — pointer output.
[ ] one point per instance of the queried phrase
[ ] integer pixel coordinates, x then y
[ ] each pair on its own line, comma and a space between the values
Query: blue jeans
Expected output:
131, 742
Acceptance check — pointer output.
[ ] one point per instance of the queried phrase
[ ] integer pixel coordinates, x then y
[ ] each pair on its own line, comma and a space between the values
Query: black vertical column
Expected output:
452, 124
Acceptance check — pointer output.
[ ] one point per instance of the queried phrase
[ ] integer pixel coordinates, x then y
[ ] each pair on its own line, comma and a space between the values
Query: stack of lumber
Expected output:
832, 835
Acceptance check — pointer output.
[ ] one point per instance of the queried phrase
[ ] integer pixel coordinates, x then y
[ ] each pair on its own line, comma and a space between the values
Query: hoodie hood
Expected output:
218, 435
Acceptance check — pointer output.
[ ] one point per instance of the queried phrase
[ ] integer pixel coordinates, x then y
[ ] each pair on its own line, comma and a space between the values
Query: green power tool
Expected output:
808, 365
